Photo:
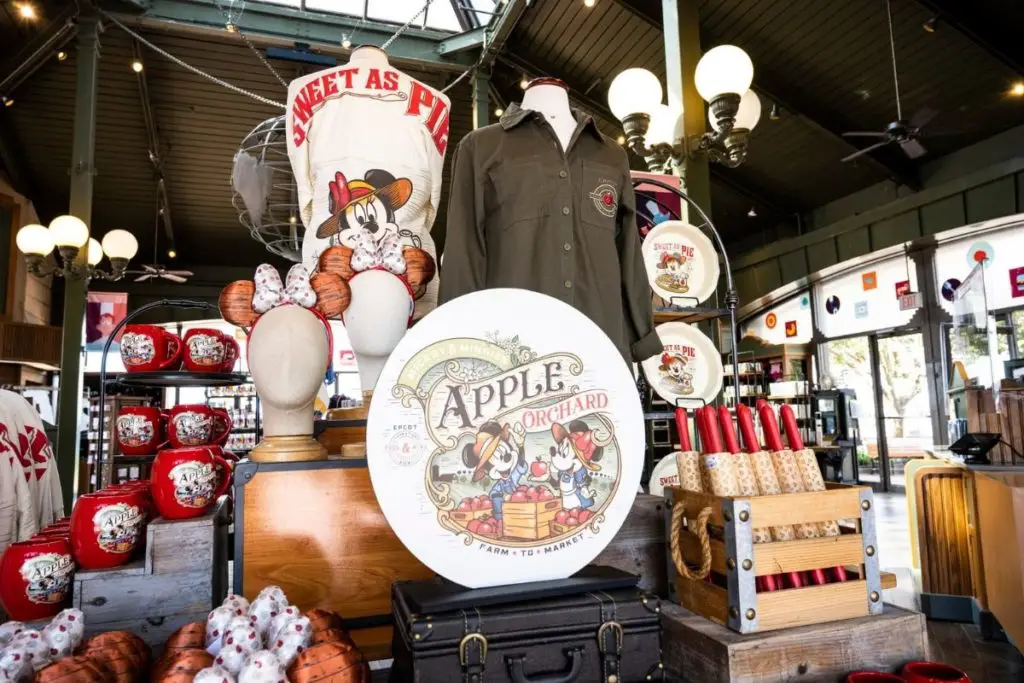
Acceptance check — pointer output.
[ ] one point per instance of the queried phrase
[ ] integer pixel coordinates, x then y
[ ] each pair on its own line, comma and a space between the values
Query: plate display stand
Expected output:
659, 414
105, 471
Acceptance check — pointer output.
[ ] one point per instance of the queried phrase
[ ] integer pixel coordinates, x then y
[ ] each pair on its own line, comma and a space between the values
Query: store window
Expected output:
866, 299
788, 323
1003, 260
440, 14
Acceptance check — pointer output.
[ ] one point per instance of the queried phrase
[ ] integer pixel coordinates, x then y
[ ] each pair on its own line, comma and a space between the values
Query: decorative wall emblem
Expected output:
501, 449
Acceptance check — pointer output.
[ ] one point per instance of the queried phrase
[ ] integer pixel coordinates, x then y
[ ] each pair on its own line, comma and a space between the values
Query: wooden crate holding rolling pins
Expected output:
181, 576
739, 561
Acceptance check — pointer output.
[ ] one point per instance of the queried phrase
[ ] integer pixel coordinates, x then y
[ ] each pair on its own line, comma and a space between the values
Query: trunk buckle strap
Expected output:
464, 645
613, 646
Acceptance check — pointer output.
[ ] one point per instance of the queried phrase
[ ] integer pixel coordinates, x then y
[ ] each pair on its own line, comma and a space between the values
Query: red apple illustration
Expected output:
585, 515
522, 487
519, 497
539, 468
476, 504
464, 505
561, 516
572, 521
473, 526
486, 528
486, 504
545, 494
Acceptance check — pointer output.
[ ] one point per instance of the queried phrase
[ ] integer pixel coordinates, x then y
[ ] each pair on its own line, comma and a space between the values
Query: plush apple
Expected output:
486, 504
561, 516
464, 505
539, 468
475, 504
519, 497
473, 526
585, 515
545, 494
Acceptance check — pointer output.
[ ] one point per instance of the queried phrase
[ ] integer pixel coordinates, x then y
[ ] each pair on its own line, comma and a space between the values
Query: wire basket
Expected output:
263, 190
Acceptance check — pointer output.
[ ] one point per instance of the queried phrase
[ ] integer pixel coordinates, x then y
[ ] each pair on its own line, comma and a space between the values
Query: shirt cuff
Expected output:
647, 346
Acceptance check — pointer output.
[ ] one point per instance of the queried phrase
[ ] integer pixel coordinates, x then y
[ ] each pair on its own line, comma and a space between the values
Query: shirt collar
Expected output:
515, 115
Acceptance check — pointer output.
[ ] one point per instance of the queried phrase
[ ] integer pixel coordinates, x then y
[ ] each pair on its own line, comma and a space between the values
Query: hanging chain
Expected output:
235, 28
189, 67
405, 27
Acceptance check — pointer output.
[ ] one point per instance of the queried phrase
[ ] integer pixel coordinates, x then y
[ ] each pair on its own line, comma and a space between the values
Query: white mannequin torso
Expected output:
552, 102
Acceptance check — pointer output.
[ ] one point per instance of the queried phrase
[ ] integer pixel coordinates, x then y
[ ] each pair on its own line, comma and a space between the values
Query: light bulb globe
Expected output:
120, 244
634, 91
723, 70
663, 128
95, 254
748, 114
34, 240
69, 231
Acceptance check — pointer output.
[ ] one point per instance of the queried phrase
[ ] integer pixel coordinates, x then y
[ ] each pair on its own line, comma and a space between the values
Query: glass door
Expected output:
849, 364
904, 405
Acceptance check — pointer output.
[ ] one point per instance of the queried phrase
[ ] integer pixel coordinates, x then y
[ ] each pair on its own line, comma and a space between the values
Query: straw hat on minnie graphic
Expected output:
587, 449
671, 362
483, 454
367, 204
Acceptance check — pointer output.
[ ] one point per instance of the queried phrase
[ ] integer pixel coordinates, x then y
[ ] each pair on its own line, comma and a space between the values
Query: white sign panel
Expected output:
505, 439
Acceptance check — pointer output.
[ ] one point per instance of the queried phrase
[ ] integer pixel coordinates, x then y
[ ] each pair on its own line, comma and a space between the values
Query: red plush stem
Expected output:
796, 442
682, 424
732, 444
772, 438
747, 431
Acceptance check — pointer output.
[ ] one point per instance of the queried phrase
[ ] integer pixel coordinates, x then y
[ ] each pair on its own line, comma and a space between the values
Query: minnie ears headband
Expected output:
327, 290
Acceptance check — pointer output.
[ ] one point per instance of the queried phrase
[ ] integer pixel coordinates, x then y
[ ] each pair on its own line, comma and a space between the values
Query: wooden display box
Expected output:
531, 521
696, 650
739, 561
179, 579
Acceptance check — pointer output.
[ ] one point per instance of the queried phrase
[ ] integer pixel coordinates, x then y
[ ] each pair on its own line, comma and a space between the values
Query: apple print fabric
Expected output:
262, 667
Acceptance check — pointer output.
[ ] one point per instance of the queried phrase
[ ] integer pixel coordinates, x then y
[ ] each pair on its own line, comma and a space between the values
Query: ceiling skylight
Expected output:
440, 14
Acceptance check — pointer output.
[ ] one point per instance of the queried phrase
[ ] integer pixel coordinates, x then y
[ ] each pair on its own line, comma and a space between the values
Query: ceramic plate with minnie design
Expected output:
682, 264
501, 449
688, 370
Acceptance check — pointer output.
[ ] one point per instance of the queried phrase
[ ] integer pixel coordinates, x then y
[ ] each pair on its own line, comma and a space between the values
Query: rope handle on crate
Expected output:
702, 538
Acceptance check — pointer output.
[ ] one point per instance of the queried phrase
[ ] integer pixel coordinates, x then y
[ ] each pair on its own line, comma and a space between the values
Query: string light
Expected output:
524, 83
137, 66
752, 213
7, 101
1018, 89
499, 111
61, 56
589, 3
621, 139
171, 253
346, 43
27, 11
230, 27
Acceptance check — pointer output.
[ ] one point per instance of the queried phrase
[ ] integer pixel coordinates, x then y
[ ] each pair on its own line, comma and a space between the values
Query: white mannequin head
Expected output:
288, 354
376, 320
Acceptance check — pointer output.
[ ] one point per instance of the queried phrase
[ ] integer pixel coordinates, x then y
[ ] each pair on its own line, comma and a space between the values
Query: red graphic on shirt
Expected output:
606, 199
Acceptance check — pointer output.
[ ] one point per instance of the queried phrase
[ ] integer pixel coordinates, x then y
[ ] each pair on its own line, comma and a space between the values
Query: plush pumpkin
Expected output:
332, 294
74, 670
188, 637
236, 303
181, 666
337, 260
333, 635
329, 663
322, 620
124, 655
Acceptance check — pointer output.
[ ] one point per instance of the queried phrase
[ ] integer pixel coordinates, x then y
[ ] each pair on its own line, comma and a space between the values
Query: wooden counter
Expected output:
1000, 501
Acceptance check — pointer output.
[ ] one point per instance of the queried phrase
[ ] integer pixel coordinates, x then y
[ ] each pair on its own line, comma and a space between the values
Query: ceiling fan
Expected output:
157, 270
905, 133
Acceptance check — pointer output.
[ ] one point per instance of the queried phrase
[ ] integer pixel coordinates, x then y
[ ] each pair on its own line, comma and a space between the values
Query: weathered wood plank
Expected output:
154, 629
639, 547
133, 597
697, 650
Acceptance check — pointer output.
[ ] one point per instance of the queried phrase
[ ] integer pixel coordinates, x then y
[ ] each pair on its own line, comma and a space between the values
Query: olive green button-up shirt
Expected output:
524, 213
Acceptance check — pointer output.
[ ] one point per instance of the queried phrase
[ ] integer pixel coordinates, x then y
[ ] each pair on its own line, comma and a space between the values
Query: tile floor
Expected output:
957, 644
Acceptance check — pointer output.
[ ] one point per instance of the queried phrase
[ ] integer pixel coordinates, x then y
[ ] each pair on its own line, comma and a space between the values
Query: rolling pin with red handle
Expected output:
747, 483
808, 464
789, 476
684, 430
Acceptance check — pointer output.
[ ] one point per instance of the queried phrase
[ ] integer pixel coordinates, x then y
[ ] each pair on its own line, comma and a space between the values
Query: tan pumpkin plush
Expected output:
188, 637
74, 670
329, 663
236, 303
322, 620
181, 666
123, 654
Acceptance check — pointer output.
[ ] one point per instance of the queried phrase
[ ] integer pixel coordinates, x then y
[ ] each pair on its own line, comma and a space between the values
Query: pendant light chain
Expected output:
402, 29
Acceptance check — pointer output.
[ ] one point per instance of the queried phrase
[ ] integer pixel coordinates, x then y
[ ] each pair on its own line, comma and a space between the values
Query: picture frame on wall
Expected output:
103, 312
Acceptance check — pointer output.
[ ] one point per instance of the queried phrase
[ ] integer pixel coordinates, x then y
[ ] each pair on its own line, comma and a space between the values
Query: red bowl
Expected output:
933, 672
873, 677
107, 527
35, 578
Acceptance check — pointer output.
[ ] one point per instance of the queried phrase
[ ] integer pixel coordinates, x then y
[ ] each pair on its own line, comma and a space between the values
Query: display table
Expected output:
696, 650
1000, 523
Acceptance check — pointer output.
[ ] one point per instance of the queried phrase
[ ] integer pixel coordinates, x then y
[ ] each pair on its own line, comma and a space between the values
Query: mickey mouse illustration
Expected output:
498, 453
364, 205
574, 456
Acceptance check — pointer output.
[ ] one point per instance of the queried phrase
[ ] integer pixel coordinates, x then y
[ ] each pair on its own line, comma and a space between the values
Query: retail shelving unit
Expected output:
243, 406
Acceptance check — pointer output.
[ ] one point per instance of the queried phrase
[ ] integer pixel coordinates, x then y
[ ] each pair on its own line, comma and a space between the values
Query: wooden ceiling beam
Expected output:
770, 86
1000, 40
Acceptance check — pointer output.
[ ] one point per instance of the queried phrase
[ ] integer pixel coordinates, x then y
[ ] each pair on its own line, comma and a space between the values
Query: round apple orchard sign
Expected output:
505, 439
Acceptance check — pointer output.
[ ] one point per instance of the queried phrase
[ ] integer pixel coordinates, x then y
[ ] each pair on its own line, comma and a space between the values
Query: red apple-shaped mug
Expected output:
140, 430
106, 527
209, 350
148, 348
197, 425
35, 578
187, 481
933, 672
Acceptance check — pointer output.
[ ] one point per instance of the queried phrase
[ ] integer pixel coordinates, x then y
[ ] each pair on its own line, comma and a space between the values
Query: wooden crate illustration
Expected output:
529, 520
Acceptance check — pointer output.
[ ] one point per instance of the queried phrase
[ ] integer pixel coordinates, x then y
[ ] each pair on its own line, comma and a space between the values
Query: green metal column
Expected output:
481, 99
682, 52
69, 408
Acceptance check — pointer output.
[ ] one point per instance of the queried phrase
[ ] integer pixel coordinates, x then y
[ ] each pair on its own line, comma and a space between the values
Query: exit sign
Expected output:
911, 301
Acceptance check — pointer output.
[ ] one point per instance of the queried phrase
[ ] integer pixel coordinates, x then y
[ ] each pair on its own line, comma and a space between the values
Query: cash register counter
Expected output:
967, 540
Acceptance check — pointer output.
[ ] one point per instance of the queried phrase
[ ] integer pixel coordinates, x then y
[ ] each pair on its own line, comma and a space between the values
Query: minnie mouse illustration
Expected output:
675, 278
673, 369
367, 205
498, 453
574, 456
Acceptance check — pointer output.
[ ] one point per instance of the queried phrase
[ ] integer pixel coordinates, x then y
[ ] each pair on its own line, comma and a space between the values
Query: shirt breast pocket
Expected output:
600, 195
520, 192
